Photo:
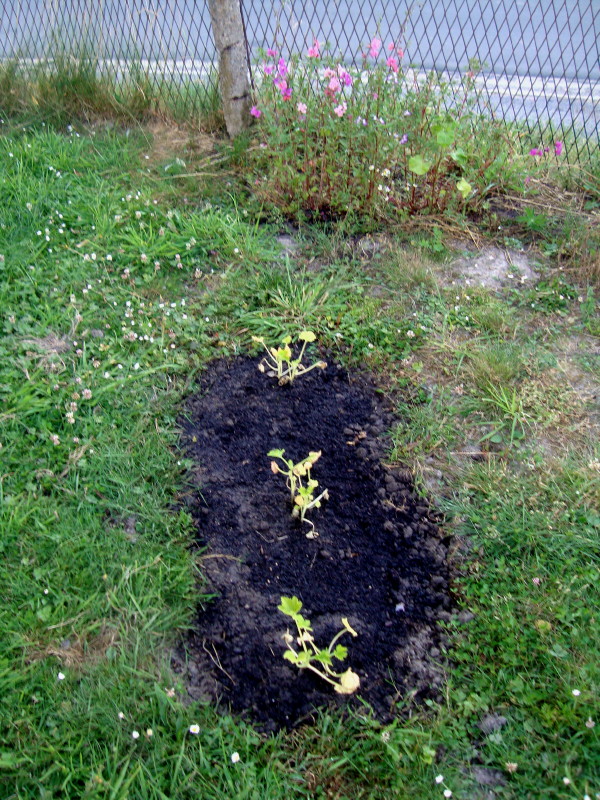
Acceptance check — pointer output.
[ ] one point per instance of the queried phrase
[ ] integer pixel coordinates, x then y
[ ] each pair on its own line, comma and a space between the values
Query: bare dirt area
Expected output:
379, 558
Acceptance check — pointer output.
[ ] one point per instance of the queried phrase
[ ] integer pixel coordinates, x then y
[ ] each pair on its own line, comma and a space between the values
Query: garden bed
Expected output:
378, 560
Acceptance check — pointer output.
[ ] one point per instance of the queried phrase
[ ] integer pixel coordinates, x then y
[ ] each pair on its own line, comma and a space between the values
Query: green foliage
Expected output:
310, 656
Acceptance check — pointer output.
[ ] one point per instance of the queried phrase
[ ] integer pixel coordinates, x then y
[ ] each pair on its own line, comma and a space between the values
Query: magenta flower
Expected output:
269, 69
301, 108
558, 148
271, 53
314, 51
334, 84
256, 112
392, 63
340, 110
404, 138
535, 152
374, 47
286, 93
344, 76
282, 67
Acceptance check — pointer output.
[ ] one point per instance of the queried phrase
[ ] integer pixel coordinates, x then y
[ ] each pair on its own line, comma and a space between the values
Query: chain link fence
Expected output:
537, 62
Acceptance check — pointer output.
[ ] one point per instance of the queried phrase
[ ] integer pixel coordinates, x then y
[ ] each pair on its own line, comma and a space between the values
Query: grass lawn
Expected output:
118, 284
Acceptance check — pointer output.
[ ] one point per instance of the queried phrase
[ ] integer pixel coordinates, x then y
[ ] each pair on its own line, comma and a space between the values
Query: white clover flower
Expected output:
135, 734
447, 793
235, 757
121, 715
575, 692
60, 676
194, 729
439, 778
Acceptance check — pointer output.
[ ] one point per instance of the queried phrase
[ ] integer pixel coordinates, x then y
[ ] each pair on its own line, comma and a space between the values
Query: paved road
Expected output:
556, 42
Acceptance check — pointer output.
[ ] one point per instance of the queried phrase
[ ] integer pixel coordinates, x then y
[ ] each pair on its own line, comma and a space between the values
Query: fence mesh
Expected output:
537, 62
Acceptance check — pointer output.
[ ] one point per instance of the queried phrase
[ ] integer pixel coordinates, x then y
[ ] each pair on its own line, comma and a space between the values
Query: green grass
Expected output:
101, 575
70, 88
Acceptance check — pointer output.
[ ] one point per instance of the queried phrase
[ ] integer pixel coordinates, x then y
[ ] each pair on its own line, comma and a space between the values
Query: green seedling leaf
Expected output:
323, 657
464, 187
290, 606
340, 652
306, 336
275, 453
302, 623
418, 165
291, 655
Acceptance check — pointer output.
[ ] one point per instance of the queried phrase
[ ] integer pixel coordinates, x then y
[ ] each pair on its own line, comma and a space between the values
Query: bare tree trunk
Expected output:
228, 32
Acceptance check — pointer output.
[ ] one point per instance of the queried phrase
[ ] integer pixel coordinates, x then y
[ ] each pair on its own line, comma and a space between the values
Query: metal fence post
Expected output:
230, 41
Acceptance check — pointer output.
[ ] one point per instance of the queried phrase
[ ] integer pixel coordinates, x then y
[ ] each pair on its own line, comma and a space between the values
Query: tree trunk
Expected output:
228, 32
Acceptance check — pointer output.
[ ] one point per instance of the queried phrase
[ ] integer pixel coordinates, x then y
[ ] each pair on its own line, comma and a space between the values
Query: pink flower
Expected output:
269, 69
344, 76
301, 108
271, 53
286, 94
282, 67
374, 47
535, 152
314, 52
392, 63
340, 110
334, 84
256, 112
329, 73
558, 148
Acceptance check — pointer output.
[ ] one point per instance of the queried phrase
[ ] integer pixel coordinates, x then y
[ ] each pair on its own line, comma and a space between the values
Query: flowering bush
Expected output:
374, 140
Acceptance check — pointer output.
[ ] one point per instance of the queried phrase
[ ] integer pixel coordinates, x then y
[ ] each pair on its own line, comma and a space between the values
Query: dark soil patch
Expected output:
379, 559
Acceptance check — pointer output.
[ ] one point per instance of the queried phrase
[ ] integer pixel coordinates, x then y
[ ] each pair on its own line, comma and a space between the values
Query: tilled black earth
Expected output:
379, 558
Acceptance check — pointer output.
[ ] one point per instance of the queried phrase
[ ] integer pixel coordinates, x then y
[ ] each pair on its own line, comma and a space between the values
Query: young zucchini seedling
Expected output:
279, 359
300, 483
309, 656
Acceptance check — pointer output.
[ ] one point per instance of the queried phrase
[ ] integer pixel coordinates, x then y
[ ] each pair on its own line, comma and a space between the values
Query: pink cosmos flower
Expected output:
392, 63
282, 67
334, 84
374, 47
286, 94
269, 69
301, 108
314, 51
256, 112
558, 148
341, 109
271, 53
